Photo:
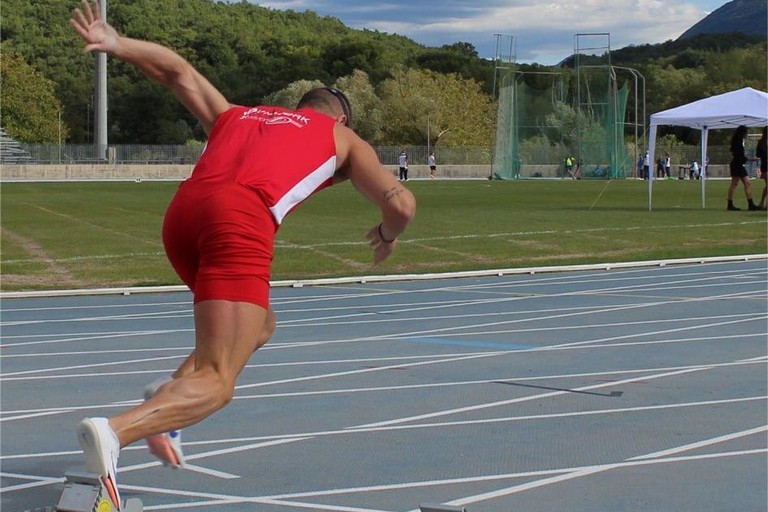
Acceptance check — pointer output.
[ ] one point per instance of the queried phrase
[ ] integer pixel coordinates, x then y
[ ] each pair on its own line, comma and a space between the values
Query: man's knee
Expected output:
218, 389
224, 392
267, 330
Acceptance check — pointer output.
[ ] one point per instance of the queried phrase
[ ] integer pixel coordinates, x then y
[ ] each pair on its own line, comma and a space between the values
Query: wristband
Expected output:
381, 236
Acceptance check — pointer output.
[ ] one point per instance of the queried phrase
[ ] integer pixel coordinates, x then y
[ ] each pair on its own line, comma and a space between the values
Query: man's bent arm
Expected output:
398, 206
170, 69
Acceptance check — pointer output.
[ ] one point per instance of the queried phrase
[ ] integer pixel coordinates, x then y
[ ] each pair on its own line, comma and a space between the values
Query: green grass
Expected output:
78, 235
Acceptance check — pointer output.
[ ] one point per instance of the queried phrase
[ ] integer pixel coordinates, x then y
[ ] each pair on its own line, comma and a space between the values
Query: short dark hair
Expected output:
327, 99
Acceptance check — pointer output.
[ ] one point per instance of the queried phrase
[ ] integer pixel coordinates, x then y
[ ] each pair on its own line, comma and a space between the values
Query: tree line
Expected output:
401, 90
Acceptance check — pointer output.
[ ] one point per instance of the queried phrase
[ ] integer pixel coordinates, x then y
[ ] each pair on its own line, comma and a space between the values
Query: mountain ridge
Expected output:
737, 16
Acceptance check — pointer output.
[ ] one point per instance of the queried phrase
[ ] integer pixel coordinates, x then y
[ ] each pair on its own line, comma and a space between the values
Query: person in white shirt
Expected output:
402, 162
432, 165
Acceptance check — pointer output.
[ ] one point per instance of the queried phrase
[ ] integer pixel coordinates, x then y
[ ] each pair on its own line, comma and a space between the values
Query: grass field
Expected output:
82, 235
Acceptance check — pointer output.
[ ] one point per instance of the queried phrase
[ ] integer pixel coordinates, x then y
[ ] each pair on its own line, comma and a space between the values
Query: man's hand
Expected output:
381, 249
98, 35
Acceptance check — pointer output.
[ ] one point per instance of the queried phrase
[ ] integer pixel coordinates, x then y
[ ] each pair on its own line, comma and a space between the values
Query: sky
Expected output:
540, 31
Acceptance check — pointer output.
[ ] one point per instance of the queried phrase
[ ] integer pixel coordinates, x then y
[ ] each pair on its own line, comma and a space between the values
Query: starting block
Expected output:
439, 507
84, 492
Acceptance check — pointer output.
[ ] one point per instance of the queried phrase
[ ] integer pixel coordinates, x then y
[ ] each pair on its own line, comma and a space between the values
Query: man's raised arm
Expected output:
157, 62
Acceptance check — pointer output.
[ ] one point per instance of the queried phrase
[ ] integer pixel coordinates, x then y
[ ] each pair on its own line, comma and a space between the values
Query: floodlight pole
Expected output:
437, 139
59, 161
100, 109
428, 153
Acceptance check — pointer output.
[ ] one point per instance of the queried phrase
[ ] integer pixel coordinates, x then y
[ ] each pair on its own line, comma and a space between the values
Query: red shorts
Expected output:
219, 239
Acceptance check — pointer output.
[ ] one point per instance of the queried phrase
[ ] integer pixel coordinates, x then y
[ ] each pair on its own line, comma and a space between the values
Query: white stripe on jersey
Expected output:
303, 189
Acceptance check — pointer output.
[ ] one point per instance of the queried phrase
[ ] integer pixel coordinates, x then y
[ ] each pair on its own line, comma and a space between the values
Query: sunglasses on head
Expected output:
346, 107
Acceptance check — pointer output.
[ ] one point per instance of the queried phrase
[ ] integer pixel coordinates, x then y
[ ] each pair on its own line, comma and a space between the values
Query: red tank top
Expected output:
283, 155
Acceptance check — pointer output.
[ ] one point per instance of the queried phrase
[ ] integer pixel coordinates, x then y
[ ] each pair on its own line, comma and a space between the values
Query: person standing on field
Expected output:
739, 173
762, 153
568, 165
259, 164
647, 165
432, 165
402, 163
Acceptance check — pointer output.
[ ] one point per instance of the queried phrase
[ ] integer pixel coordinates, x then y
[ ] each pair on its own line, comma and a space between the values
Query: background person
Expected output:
577, 170
219, 230
647, 165
739, 173
568, 166
432, 165
762, 153
402, 163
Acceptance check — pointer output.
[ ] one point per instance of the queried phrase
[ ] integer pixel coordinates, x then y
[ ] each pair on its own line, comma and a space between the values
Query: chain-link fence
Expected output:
189, 154
89, 154
137, 154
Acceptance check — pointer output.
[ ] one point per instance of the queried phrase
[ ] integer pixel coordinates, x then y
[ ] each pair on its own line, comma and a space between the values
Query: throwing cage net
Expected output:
563, 124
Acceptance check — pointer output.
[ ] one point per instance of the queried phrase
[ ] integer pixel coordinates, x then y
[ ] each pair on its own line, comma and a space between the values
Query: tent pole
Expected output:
702, 168
651, 160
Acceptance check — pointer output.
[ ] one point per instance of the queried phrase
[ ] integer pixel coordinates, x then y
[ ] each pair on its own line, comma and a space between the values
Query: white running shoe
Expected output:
102, 449
167, 446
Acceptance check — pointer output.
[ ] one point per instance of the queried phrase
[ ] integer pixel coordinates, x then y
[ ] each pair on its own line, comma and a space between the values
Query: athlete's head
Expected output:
328, 101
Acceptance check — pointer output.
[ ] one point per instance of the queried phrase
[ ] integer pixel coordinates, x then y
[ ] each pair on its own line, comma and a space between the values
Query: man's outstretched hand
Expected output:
98, 35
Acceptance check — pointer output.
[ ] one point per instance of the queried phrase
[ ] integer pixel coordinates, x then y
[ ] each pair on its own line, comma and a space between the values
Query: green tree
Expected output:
249, 52
460, 58
290, 95
366, 109
366, 105
563, 124
737, 68
343, 57
415, 101
30, 110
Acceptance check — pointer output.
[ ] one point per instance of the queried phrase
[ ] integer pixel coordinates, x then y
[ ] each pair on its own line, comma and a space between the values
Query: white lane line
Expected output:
636, 461
99, 336
37, 481
214, 453
662, 331
701, 444
686, 280
481, 329
152, 315
371, 370
74, 307
500, 403
571, 472
283, 437
490, 478
8, 415
210, 472
444, 335
486, 325
92, 365
288, 499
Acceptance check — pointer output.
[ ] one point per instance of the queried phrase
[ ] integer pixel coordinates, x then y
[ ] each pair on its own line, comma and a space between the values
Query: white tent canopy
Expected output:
747, 107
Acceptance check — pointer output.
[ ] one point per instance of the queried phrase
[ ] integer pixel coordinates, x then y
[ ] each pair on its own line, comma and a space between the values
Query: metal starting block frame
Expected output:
439, 507
84, 492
